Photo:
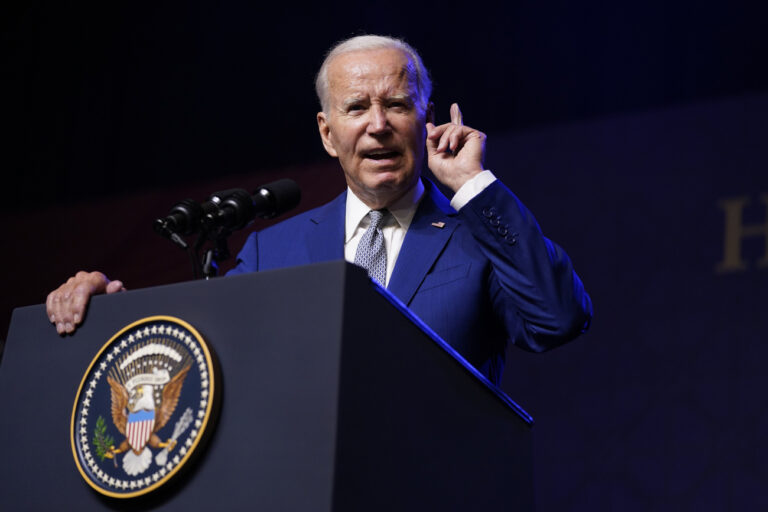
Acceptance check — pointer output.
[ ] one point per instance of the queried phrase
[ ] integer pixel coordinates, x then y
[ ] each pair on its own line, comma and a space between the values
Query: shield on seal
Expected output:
139, 429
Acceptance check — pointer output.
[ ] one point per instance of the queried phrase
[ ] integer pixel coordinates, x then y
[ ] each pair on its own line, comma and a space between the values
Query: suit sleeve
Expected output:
533, 286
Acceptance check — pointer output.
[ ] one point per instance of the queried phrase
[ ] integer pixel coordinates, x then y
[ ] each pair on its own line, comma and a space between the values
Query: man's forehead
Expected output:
384, 67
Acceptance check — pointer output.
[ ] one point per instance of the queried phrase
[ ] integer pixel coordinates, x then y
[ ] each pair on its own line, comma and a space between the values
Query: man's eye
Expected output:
353, 108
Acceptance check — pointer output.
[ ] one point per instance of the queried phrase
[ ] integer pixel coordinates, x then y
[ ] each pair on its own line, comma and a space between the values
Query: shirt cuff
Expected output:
471, 188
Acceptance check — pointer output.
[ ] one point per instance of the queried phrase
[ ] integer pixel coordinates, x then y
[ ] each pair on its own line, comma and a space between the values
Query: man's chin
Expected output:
391, 180
385, 189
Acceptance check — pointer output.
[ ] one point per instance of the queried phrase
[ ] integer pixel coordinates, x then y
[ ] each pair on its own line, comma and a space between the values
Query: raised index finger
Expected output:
456, 114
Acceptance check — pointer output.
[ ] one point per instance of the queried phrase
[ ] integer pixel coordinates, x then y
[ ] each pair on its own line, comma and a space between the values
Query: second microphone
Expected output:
231, 209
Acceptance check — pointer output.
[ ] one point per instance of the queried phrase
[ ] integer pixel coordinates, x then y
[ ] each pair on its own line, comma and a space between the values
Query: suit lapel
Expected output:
423, 243
325, 241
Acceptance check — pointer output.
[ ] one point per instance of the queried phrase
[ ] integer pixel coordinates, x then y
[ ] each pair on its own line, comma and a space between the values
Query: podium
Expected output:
334, 397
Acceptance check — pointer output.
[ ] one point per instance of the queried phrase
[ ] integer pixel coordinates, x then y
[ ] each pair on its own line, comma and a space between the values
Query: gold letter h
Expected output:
736, 231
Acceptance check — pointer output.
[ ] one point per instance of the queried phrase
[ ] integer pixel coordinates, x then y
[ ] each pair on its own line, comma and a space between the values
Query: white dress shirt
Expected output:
401, 214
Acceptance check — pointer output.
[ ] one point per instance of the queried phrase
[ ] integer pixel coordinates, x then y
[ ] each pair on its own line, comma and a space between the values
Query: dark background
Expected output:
101, 100
623, 127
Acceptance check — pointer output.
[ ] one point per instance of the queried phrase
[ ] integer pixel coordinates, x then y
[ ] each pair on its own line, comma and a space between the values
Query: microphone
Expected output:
236, 208
230, 209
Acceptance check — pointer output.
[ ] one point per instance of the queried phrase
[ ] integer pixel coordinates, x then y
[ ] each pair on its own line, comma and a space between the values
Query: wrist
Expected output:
471, 188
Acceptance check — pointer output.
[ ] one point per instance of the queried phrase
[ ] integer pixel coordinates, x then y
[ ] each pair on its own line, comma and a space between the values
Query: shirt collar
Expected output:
402, 210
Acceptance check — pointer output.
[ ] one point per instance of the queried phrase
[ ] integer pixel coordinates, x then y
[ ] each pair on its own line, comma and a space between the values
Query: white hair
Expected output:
416, 70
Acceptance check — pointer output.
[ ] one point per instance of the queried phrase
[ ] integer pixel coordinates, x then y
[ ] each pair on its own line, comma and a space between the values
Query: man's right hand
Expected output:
66, 304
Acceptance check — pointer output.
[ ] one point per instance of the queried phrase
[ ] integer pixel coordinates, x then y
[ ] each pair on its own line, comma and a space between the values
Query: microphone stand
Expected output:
213, 255
207, 266
221, 215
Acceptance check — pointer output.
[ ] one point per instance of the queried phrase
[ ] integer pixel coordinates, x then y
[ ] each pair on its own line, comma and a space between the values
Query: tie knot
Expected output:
376, 216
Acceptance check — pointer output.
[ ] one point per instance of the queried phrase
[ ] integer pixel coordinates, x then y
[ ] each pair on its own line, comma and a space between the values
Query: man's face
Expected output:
374, 125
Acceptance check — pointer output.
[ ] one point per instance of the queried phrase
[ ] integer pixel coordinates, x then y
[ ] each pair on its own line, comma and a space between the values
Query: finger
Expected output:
452, 132
456, 114
80, 298
436, 131
442, 144
57, 311
455, 139
115, 286
49, 301
435, 140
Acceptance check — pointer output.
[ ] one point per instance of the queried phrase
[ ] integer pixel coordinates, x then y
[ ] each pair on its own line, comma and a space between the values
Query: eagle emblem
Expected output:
155, 381
138, 416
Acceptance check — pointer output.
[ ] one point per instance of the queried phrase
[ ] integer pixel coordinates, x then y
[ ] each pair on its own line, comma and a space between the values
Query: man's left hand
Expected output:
455, 152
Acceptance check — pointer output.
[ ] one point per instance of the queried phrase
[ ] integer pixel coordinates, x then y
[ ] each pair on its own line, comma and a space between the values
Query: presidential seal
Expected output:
143, 407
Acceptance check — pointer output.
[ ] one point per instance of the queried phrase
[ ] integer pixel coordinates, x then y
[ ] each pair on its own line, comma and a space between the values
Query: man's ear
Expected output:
325, 134
430, 117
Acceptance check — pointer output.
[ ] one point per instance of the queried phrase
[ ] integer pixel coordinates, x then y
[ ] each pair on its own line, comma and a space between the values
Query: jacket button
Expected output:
495, 221
502, 230
489, 212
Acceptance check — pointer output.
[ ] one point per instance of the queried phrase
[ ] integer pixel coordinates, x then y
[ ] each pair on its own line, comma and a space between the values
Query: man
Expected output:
480, 278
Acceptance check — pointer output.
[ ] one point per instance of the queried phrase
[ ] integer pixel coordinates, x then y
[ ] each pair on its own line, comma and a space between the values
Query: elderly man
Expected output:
476, 269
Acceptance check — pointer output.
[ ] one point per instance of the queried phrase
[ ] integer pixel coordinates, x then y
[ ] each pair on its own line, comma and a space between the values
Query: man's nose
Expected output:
378, 122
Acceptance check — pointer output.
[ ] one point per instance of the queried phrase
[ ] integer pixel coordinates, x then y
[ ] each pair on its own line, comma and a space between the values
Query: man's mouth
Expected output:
381, 154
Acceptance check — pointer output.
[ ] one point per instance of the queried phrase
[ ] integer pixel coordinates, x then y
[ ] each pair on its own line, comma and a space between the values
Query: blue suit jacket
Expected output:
486, 277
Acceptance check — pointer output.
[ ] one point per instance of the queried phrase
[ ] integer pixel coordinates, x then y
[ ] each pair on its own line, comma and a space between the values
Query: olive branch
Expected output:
101, 441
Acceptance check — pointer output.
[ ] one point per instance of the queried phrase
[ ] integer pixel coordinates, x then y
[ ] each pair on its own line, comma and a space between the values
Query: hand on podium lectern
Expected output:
66, 304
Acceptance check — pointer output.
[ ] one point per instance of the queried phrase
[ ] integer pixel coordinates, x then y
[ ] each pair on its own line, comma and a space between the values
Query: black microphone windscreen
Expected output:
283, 195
